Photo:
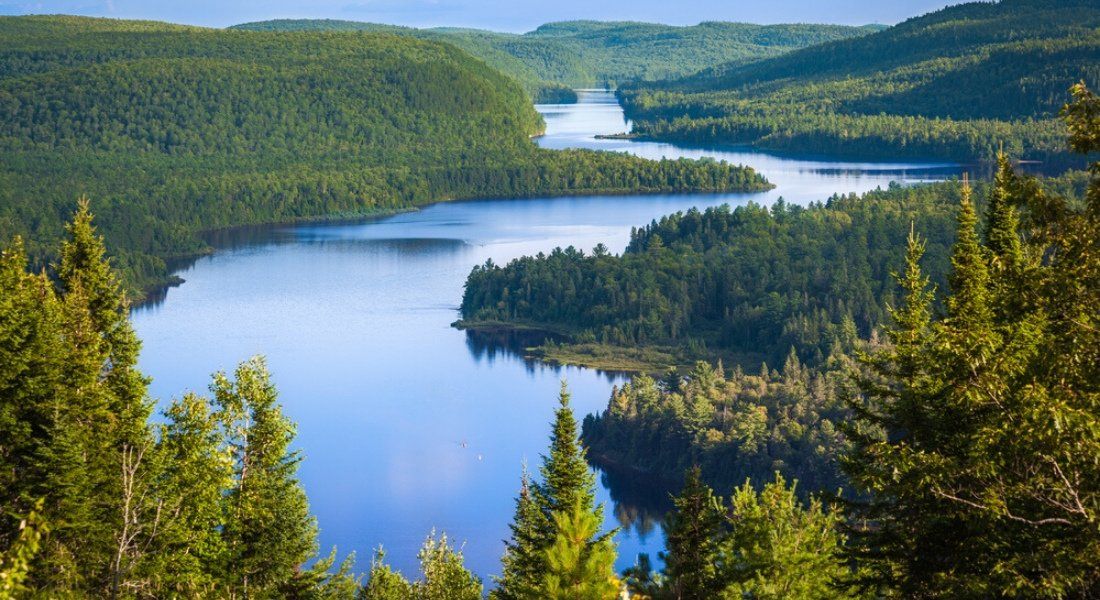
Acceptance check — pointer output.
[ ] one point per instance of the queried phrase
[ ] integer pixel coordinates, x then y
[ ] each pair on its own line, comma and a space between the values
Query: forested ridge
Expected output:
171, 131
555, 58
958, 83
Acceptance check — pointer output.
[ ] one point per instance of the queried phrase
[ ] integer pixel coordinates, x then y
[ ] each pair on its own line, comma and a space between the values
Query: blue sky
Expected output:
503, 15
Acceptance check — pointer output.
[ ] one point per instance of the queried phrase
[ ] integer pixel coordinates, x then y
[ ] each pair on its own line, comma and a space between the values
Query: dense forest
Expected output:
957, 83
557, 57
172, 131
747, 283
969, 440
734, 427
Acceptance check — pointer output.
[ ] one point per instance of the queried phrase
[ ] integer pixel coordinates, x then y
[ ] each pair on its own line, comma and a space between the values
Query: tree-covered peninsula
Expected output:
172, 131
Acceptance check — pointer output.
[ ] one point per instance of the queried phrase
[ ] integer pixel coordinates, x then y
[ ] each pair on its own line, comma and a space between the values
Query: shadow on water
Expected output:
640, 502
488, 345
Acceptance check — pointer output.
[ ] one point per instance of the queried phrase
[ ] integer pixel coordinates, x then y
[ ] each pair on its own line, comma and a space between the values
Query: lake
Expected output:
407, 425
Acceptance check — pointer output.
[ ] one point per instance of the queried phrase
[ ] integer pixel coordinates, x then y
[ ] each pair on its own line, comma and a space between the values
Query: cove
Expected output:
405, 423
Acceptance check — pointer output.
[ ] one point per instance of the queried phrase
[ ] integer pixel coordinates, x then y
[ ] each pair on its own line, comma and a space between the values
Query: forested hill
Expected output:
953, 83
556, 57
172, 130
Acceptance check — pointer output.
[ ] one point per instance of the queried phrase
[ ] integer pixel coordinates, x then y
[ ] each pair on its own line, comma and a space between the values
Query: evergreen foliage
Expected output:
766, 544
692, 533
203, 504
522, 560
556, 548
734, 428
977, 435
579, 563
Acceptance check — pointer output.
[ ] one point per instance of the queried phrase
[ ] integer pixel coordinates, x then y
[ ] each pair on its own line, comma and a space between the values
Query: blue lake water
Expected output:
406, 424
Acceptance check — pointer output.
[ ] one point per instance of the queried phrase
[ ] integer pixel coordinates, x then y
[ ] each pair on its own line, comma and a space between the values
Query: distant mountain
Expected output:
953, 83
558, 56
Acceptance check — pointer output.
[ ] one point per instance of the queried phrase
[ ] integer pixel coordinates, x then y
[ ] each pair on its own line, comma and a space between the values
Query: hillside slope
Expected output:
174, 130
954, 83
558, 56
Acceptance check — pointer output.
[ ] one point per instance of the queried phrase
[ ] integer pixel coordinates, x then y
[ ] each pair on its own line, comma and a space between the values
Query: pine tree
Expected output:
693, 529
84, 264
779, 549
120, 470
566, 478
579, 565
268, 528
522, 561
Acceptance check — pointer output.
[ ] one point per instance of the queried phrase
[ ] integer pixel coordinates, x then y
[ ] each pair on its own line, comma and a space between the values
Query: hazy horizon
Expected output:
500, 15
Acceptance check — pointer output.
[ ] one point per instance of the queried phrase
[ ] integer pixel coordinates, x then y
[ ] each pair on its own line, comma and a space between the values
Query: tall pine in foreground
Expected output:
982, 476
543, 558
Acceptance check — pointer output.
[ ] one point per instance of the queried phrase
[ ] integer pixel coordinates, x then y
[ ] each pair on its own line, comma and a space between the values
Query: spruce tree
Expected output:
523, 558
693, 529
984, 482
268, 528
120, 470
1002, 220
32, 358
566, 478
189, 556
84, 263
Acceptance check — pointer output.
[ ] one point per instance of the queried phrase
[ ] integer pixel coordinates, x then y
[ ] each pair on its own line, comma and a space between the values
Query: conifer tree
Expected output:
189, 553
693, 530
268, 529
84, 263
985, 482
566, 478
1002, 220
523, 559
32, 355
120, 470
579, 565
779, 549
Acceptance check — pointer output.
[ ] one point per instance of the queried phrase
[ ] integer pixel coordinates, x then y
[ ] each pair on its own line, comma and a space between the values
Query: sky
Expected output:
500, 15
